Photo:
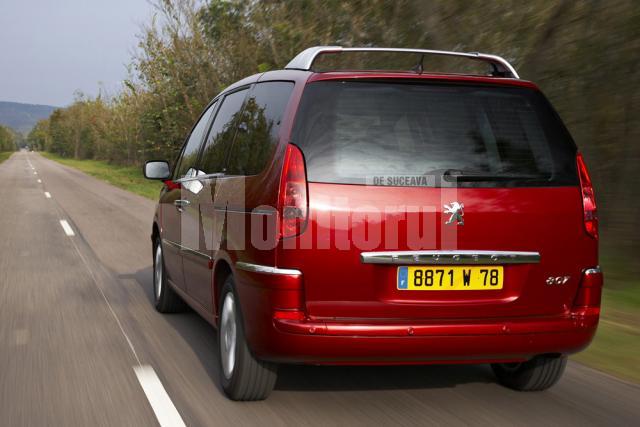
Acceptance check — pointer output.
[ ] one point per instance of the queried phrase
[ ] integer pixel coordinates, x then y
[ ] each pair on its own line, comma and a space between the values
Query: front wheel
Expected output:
243, 376
537, 374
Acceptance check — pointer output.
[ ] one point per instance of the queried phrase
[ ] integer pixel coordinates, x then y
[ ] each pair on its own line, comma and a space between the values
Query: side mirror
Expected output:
157, 169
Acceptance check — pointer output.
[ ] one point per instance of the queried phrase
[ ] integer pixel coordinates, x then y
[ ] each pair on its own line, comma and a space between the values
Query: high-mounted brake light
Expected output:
293, 201
588, 199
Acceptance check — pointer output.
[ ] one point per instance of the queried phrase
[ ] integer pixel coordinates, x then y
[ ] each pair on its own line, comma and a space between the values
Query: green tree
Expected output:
8, 139
582, 53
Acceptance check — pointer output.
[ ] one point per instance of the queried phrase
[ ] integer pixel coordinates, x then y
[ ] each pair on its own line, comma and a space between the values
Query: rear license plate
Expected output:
445, 278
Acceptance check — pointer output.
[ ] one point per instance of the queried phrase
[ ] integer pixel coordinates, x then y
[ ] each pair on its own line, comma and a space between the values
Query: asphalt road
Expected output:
76, 321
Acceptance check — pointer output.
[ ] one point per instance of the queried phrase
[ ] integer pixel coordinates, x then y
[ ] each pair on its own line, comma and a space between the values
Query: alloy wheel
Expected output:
157, 282
228, 336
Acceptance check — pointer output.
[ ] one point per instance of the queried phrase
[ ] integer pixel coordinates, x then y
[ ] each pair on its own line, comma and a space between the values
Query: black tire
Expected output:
246, 378
165, 298
537, 374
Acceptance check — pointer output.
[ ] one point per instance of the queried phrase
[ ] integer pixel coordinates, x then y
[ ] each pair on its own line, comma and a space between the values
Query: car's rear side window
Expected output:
351, 132
259, 127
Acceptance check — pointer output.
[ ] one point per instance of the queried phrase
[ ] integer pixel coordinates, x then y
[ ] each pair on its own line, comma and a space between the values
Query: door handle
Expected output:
181, 204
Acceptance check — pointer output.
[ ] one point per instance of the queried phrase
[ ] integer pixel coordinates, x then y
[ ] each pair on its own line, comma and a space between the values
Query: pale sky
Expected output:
51, 48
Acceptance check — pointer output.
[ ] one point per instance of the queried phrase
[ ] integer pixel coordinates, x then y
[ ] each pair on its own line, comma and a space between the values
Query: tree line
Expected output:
583, 54
8, 139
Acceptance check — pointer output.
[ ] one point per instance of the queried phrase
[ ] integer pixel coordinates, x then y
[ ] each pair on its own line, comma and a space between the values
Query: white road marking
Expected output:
106, 300
161, 403
67, 228
35, 173
39, 181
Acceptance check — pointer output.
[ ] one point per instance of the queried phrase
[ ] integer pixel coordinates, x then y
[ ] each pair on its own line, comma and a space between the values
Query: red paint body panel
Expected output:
407, 340
338, 285
353, 312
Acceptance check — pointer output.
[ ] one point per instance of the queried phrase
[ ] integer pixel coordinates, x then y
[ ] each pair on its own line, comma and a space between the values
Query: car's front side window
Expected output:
189, 157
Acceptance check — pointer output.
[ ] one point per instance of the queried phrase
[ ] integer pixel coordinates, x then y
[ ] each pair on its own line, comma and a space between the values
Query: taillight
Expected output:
293, 201
588, 199
590, 290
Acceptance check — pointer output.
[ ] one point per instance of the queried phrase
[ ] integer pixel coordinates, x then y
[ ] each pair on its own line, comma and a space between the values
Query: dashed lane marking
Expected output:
160, 402
67, 228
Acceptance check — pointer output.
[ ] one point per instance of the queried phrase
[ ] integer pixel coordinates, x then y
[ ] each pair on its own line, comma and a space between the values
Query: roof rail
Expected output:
305, 59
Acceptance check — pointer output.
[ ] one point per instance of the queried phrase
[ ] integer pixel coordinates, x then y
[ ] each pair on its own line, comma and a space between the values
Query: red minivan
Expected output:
338, 212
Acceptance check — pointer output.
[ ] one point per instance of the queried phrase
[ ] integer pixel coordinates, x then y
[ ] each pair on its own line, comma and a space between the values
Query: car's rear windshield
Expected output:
369, 132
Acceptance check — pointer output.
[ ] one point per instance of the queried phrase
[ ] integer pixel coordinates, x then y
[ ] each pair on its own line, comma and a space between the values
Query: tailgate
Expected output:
497, 222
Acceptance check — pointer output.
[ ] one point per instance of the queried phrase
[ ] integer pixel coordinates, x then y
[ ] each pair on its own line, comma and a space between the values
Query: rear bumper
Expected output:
370, 341
500, 341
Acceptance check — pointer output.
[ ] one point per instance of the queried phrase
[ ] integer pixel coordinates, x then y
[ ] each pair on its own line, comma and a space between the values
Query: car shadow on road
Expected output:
360, 378
201, 337
193, 329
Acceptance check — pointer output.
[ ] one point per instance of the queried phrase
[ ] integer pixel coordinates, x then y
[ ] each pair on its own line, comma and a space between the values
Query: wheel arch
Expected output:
222, 270
155, 235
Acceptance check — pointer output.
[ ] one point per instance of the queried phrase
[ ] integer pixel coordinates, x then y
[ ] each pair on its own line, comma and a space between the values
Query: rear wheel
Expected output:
243, 376
166, 300
537, 374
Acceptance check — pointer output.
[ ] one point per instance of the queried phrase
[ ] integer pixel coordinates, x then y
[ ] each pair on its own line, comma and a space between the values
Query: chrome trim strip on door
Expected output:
196, 253
186, 249
257, 268
171, 243
248, 212
449, 257
251, 212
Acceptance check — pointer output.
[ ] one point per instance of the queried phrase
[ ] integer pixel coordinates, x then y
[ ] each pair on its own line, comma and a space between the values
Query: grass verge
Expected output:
129, 178
5, 155
616, 346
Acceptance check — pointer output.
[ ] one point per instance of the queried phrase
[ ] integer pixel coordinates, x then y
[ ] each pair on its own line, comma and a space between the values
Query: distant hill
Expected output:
22, 117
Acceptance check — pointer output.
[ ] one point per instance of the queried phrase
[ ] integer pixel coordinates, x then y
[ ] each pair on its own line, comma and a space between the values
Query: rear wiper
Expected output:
453, 175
